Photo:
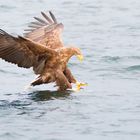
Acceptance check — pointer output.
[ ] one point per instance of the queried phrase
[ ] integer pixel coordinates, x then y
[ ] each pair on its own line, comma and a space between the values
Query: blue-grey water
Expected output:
108, 33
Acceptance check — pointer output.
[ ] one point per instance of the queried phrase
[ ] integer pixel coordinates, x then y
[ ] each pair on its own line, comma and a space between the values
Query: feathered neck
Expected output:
67, 53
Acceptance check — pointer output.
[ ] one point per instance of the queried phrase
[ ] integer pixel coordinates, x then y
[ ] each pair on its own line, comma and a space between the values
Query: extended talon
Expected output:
79, 85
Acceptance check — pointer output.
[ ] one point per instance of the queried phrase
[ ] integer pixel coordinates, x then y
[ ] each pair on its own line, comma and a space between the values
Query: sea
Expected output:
108, 34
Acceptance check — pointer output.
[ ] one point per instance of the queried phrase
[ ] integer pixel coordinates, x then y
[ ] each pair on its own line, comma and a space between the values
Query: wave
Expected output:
10, 72
15, 104
3, 71
111, 58
133, 68
3, 7
119, 58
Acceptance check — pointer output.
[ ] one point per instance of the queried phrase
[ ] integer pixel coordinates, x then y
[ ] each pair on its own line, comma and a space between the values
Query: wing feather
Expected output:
53, 17
37, 23
34, 26
21, 51
46, 17
40, 20
46, 31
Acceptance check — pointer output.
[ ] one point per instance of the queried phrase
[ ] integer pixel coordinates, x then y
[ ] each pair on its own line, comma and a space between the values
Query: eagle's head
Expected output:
67, 52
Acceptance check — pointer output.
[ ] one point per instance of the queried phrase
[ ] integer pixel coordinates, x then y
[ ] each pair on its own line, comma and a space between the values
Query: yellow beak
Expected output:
80, 57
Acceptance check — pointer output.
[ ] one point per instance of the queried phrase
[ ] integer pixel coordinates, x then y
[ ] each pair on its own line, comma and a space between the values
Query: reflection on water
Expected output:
21, 100
48, 95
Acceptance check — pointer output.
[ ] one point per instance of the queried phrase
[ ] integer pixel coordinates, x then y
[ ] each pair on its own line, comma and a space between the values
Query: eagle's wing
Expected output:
46, 31
21, 51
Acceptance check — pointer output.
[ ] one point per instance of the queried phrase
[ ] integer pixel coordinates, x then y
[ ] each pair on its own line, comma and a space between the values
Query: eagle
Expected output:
42, 48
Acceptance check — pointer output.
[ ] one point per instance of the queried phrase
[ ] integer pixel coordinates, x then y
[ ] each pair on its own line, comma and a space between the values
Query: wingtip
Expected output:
40, 20
42, 13
35, 17
53, 17
2, 32
46, 17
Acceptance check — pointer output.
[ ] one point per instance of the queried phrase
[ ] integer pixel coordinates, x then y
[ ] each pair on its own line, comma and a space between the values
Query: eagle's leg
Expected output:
69, 76
61, 81
71, 79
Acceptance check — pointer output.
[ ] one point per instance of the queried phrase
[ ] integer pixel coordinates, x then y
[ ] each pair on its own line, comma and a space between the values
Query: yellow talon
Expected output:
79, 85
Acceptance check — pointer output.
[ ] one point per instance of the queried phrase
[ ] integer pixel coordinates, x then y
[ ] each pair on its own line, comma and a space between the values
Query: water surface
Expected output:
108, 32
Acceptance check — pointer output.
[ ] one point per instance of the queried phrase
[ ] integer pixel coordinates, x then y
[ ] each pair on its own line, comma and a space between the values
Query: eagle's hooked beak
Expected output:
80, 57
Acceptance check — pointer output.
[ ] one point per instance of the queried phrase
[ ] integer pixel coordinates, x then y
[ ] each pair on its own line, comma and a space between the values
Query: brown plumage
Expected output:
42, 49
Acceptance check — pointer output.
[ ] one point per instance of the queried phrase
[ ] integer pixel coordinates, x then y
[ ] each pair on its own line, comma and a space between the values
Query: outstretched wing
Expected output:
21, 51
46, 31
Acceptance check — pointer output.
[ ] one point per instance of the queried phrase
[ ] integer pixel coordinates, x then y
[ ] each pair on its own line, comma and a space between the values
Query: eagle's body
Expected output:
42, 49
55, 70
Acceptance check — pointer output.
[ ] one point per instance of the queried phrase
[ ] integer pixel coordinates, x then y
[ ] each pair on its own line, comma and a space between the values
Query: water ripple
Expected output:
109, 108
133, 68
